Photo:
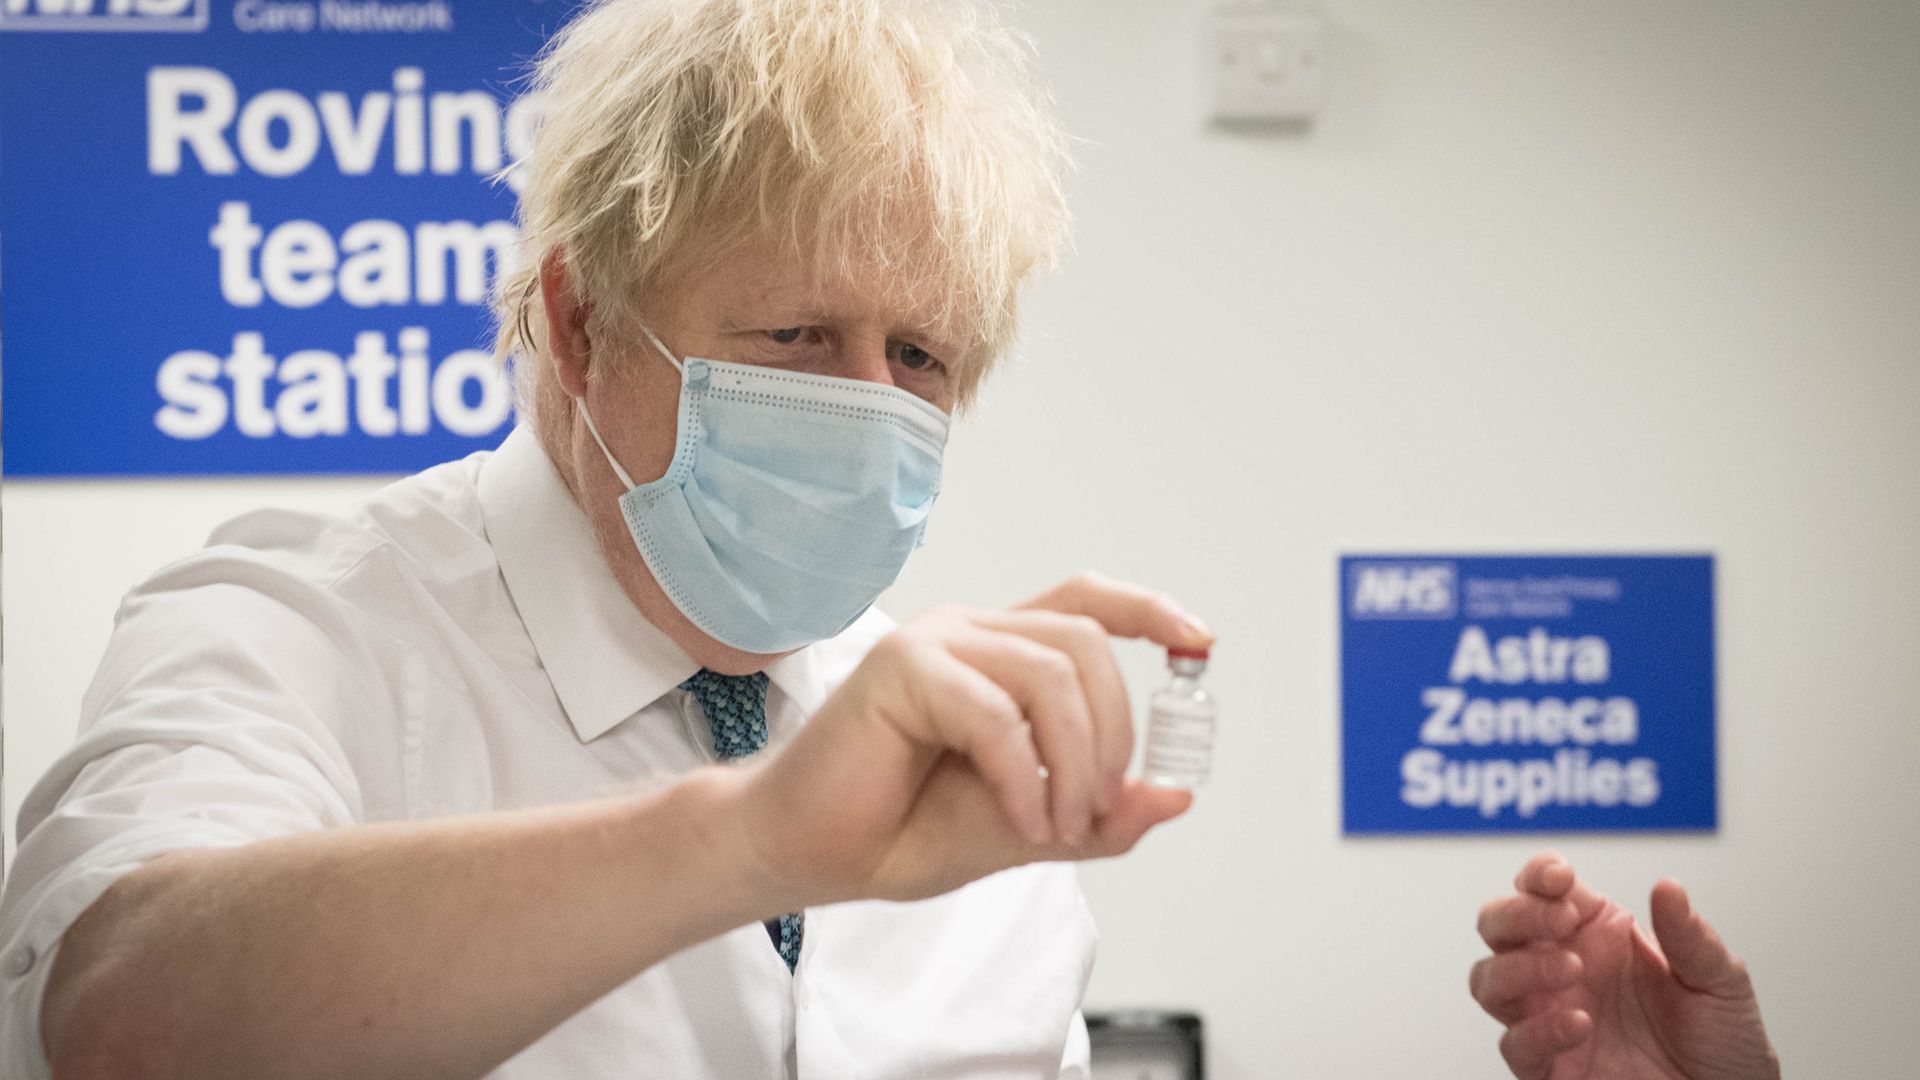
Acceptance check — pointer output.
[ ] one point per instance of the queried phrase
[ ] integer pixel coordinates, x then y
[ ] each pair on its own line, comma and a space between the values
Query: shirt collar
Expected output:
605, 660
809, 675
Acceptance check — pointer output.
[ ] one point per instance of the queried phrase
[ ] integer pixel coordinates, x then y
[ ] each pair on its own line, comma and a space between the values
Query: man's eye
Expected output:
787, 336
915, 358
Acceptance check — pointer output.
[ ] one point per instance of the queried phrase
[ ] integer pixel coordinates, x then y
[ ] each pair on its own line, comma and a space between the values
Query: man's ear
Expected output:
568, 348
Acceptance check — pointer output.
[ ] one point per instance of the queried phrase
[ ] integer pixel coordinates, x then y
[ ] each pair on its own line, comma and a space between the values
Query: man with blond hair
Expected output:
587, 758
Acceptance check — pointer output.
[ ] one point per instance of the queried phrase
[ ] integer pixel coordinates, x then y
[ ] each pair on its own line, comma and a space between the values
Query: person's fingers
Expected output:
1139, 807
1045, 683
969, 712
1549, 875
1126, 610
1513, 921
1546, 875
1503, 983
1086, 641
1530, 1046
1695, 954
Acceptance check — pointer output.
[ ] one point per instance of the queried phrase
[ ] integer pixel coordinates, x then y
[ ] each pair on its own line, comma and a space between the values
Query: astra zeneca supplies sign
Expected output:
256, 236
1527, 693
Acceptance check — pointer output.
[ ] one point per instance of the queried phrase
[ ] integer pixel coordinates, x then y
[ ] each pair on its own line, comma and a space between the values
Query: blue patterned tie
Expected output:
736, 709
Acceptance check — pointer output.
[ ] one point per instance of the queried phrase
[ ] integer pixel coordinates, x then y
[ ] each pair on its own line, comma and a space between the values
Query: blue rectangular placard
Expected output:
1527, 693
256, 237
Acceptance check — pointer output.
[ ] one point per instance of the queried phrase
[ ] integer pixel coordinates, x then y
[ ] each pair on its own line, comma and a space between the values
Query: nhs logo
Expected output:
1402, 590
103, 14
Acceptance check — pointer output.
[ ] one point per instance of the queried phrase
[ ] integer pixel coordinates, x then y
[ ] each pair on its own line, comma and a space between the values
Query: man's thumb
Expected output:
1138, 807
1695, 953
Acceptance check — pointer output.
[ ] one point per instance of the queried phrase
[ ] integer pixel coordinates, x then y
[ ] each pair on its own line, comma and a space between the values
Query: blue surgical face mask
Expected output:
792, 501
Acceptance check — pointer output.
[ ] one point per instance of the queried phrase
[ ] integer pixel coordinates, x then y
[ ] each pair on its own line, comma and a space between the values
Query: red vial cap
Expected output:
1177, 652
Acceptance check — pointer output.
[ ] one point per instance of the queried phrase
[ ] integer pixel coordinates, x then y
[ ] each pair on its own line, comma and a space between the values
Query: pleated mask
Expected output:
791, 503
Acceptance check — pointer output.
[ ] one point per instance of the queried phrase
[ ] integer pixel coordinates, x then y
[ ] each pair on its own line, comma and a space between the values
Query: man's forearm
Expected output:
411, 950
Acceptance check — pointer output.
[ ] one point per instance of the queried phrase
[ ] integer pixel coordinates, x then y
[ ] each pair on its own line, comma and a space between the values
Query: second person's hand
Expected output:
1585, 994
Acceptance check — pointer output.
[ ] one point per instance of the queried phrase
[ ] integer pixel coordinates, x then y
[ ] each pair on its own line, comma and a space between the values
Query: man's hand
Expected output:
1585, 995
969, 741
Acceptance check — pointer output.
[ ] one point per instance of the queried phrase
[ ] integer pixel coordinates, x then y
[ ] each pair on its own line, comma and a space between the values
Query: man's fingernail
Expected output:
1197, 627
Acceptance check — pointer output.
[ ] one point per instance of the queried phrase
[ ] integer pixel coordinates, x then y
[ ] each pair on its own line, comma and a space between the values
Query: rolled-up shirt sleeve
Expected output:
210, 723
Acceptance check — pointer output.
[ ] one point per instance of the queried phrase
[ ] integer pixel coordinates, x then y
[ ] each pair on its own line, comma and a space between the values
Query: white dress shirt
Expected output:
459, 644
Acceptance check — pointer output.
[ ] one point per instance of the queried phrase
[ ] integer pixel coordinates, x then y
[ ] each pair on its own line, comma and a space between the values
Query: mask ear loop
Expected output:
664, 351
595, 432
625, 480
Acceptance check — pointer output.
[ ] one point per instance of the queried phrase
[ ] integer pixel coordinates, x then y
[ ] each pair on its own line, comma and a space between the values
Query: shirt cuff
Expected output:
30, 936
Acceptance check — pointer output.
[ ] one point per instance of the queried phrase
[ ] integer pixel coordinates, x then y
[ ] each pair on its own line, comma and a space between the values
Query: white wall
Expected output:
1554, 276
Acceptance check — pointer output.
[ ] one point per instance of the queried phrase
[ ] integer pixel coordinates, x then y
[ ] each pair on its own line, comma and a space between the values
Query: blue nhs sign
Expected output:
1484, 693
257, 238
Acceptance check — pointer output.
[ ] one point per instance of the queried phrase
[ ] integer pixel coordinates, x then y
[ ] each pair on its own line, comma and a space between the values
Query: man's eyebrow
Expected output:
764, 311
924, 325
802, 306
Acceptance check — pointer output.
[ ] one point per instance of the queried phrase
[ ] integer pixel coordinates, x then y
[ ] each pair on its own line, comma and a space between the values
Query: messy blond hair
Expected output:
909, 136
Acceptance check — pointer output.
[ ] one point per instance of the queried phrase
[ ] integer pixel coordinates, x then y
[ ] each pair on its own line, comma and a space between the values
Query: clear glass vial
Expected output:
1180, 724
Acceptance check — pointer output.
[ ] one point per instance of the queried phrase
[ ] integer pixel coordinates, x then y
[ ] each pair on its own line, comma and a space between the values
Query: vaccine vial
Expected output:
1180, 724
